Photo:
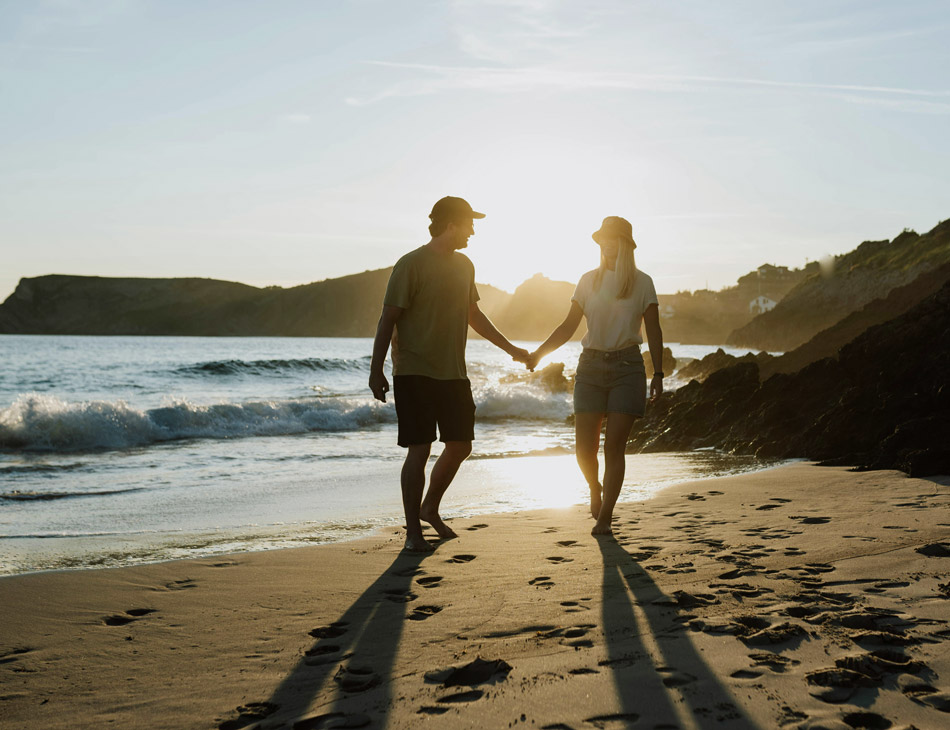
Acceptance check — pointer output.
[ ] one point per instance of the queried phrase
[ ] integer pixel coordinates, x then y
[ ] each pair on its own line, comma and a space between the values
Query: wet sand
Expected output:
800, 597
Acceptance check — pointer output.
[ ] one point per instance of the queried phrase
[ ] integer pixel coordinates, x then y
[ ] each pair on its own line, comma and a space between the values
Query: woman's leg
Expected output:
586, 446
615, 444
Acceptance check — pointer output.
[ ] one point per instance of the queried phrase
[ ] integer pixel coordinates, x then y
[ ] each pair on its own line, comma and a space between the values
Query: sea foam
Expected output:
37, 422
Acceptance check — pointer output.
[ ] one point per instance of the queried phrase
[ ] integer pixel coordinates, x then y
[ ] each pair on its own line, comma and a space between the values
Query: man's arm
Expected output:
651, 322
384, 335
483, 326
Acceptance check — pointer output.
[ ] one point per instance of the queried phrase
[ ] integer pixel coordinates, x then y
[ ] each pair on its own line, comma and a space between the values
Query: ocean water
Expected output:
119, 450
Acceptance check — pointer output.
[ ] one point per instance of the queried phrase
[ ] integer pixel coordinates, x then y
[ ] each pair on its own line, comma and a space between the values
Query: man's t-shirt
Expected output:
435, 290
613, 324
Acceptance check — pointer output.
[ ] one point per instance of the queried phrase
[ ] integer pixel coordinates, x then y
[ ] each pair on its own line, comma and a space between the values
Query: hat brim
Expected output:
599, 234
476, 216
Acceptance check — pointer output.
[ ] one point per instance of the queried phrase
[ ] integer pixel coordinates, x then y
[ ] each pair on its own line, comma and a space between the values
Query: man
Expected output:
430, 302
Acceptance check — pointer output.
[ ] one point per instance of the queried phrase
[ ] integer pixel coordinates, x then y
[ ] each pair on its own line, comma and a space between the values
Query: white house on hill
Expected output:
761, 304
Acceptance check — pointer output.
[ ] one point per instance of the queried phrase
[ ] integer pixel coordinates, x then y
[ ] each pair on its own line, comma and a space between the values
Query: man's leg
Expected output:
586, 446
615, 444
413, 482
442, 475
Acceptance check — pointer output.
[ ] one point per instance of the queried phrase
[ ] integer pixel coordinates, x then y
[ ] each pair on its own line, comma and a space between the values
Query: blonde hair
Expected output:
625, 268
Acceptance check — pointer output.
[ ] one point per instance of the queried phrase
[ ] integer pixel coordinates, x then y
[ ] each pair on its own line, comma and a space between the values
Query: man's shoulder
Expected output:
411, 256
462, 260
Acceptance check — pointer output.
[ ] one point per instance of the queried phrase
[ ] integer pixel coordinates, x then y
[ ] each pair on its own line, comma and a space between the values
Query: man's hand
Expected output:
656, 387
379, 385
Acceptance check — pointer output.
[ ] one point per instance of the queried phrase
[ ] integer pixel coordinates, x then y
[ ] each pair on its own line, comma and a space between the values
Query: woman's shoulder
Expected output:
587, 276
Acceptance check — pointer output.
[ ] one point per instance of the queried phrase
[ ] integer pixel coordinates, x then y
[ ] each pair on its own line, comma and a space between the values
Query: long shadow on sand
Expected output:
656, 669
344, 679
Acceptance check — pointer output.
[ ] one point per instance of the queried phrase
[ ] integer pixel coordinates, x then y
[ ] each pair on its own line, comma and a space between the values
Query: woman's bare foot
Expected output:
595, 500
417, 544
432, 517
602, 529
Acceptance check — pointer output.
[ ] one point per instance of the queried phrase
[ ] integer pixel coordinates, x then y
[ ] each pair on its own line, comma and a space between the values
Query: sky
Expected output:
280, 143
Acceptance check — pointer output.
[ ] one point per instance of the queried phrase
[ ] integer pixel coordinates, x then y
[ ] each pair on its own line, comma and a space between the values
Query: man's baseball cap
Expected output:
612, 227
449, 208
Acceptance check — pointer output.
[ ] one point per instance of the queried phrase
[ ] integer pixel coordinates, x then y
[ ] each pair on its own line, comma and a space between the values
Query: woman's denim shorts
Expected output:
611, 382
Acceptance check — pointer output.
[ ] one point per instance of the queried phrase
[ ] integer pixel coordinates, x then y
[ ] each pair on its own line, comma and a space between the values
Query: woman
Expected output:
611, 380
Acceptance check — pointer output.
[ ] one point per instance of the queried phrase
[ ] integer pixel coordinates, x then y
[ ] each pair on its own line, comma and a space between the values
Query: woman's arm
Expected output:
651, 322
561, 334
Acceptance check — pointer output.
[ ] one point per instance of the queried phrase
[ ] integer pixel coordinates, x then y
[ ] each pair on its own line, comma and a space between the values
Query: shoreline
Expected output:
150, 547
796, 596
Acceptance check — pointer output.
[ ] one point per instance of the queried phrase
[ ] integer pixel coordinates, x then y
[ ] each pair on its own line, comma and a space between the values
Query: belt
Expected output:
612, 354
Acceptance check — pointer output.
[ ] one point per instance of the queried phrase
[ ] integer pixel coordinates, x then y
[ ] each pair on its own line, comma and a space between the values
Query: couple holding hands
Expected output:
430, 302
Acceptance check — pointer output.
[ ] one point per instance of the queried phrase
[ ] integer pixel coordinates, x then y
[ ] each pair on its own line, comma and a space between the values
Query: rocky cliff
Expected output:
345, 307
844, 286
882, 402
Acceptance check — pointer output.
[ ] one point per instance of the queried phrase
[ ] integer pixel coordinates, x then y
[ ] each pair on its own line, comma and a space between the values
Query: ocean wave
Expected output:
34, 469
18, 496
522, 402
37, 422
276, 366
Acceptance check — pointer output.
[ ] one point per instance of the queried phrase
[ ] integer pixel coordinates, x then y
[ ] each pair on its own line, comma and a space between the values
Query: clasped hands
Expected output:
530, 359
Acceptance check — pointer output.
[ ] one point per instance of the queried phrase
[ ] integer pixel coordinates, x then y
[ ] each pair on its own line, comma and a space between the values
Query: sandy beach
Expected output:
802, 596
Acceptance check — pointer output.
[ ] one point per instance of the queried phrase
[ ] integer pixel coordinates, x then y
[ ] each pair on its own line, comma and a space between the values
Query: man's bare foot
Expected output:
595, 500
602, 529
432, 517
417, 544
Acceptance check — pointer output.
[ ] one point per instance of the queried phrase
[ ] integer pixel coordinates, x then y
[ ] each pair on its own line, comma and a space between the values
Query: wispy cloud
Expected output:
435, 79
296, 118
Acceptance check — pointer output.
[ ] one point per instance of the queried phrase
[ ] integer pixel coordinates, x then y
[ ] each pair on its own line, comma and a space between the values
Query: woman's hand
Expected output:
532, 361
656, 387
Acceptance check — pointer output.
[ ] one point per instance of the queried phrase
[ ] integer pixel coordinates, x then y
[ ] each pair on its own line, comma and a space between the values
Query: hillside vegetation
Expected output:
853, 280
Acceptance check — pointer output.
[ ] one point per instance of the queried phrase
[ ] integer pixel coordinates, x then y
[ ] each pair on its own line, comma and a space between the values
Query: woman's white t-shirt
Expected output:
613, 324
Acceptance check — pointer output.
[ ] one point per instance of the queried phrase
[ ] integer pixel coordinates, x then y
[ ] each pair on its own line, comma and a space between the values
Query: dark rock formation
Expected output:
883, 402
669, 362
702, 369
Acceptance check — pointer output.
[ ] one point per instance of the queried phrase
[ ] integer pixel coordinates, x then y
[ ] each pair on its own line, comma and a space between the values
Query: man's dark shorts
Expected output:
423, 402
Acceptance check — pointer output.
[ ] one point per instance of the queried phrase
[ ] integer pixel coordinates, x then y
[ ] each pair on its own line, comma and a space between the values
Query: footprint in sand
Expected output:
479, 671
567, 543
775, 662
476, 527
469, 696
550, 530
248, 714
421, 613
935, 550
559, 559
333, 631
398, 595
178, 585
542, 581
430, 581
746, 674
867, 721
575, 636
575, 606
408, 572
333, 720
128, 617
461, 559
919, 691
356, 678
674, 678
616, 721
805, 520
